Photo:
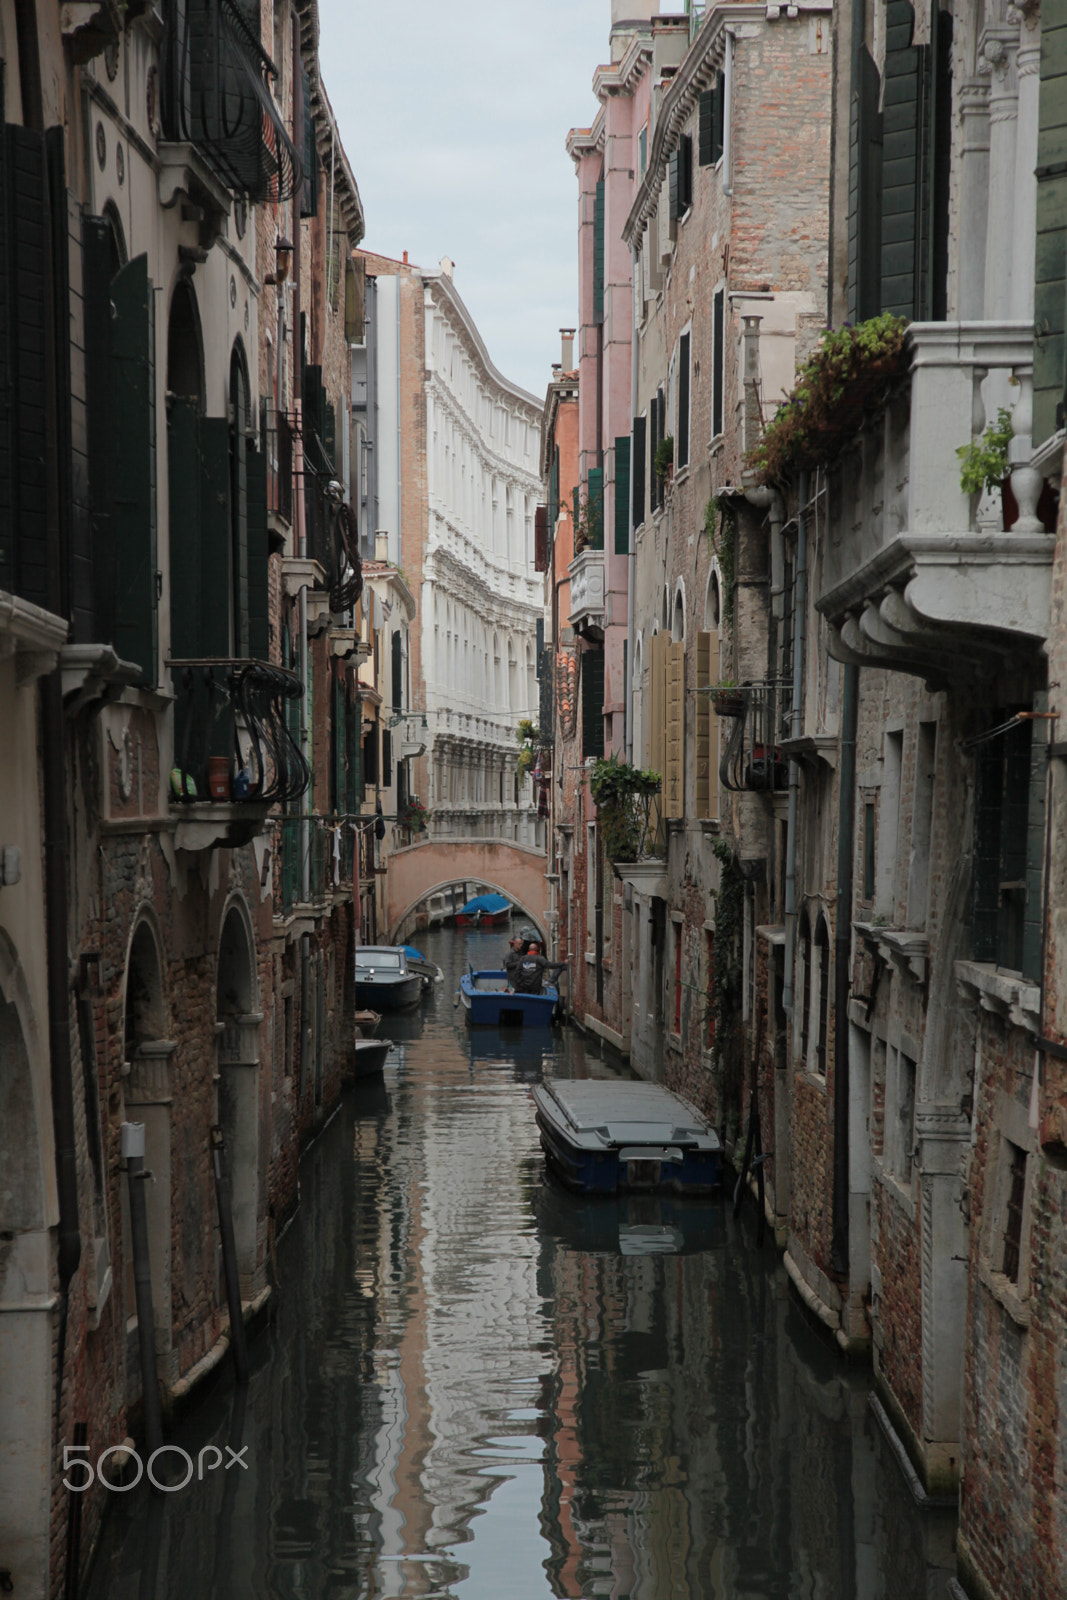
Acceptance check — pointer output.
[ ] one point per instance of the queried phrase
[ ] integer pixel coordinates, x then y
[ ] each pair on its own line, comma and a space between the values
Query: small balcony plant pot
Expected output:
729, 702
218, 777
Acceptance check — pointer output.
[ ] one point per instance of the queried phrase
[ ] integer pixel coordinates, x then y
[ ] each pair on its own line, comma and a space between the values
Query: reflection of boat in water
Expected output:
484, 911
383, 981
489, 1003
370, 1097
629, 1224
604, 1135
523, 1050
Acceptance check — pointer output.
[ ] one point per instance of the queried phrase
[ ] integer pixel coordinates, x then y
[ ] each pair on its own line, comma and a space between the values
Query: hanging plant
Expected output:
848, 374
664, 457
720, 526
623, 797
525, 761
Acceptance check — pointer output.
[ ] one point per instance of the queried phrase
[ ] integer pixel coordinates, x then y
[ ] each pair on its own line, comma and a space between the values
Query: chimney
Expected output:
567, 360
448, 266
405, 258
381, 545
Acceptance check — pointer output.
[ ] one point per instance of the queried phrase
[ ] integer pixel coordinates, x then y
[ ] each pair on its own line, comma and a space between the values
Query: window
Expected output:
676, 1007
709, 989
1015, 1160
592, 667
637, 466
387, 758
921, 825
888, 823
680, 178
622, 495
681, 432
707, 724
905, 1132
590, 886
397, 664
718, 321
712, 122
868, 851
822, 960
805, 1000
642, 152
1007, 879
598, 254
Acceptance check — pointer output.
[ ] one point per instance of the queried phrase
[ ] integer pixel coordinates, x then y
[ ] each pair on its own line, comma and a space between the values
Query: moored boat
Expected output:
383, 981
488, 1002
603, 1136
484, 911
370, 1055
428, 971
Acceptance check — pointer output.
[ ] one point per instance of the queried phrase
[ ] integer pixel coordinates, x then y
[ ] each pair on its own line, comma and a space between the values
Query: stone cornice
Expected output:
586, 141
442, 568
623, 76
447, 401
327, 137
445, 297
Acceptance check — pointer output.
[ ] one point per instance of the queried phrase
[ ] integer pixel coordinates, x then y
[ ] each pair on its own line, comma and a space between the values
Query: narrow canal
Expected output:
476, 1386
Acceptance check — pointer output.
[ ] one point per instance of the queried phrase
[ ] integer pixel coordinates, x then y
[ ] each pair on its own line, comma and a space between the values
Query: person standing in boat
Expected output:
530, 974
513, 959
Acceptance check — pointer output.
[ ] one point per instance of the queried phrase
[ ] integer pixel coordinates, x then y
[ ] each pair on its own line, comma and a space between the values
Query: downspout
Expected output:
399, 441
297, 366
800, 598
839, 1249
631, 559
727, 83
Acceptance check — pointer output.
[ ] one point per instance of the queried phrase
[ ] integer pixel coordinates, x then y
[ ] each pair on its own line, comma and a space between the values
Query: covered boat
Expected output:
489, 1002
383, 981
602, 1136
428, 971
484, 911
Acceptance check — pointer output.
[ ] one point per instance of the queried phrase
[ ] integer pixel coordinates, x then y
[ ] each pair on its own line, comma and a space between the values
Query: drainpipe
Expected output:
399, 441
727, 82
631, 559
800, 599
839, 1249
297, 367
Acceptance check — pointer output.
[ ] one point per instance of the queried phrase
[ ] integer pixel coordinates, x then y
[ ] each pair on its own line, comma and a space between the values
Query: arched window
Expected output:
513, 677
711, 604
119, 255
804, 946
531, 685
678, 617
822, 955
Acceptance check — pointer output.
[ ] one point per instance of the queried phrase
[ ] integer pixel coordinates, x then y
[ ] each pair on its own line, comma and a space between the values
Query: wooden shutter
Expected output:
1033, 919
685, 174
985, 885
99, 418
674, 185
864, 190
133, 380
681, 442
24, 535
718, 127
355, 300
598, 253
593, 702
653, 441
717, 366
397, 666
906, 167
622, 495
1050, 267
657, 717
707, 727
183, 478
387, 758
595, 492
213, 603
637, 469
675, 785
540, 538
705, 127
258, 618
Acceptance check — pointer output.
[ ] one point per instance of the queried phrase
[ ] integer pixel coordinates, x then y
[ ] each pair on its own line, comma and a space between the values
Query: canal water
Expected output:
476, 1385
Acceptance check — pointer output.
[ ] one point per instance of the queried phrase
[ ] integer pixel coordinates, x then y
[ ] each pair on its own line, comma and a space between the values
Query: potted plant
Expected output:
623, 797
728, 698
413, 816
664, 457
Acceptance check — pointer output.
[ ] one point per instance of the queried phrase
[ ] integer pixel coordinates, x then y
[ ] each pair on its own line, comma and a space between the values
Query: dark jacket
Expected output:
530, 975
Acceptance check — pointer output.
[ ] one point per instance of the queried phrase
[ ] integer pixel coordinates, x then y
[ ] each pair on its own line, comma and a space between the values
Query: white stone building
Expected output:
480, 599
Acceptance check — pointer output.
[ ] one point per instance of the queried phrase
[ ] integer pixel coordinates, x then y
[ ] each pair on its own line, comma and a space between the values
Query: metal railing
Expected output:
231, 742
751, 755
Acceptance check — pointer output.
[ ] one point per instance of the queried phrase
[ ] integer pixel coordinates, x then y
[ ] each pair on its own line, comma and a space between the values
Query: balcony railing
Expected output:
587, 590
755, 720
216, 96
231, 742
331, 526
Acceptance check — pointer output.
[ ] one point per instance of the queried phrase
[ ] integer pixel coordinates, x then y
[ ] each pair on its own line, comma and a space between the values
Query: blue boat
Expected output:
603, 1136
484, 911
488, 1002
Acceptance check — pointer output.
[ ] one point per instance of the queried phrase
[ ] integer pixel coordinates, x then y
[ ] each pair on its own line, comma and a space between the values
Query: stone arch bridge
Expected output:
419, 870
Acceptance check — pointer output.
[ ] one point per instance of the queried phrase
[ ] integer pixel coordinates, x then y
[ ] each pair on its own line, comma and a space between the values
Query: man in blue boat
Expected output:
530, 973
513, 959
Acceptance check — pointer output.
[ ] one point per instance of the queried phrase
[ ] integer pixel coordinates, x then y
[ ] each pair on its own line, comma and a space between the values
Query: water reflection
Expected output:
476, 1386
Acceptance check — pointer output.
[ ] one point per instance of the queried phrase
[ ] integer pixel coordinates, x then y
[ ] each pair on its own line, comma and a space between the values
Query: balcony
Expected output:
220, 120
754, 724
235, 756
918, 576
587, 592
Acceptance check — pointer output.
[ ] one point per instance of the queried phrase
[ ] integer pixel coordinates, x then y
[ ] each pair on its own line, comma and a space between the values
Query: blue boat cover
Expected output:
411, 953
489, 903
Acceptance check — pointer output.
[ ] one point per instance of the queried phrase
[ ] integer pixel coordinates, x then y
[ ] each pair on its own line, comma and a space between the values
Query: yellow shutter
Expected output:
675, 730
657, 727
707, 727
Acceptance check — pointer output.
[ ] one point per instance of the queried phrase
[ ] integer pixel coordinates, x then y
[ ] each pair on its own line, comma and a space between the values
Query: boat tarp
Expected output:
489, 904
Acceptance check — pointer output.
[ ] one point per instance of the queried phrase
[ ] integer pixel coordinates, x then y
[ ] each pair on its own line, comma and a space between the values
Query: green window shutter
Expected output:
681, 443
653, 441
595, 492
387, 758
1050, 267
1033, 917
674, 207
718, 334
183, 477
985, 886
718, 128
99, 419
705, 127
213, 601
622, 495
593, 703
864, 298
685, 174
906, 169
637, 471
258, 618
598, 254
576, 507
397, 665
133, 380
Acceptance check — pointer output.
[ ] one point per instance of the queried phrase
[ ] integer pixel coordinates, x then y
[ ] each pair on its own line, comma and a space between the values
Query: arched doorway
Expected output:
238, 1057
146, 1053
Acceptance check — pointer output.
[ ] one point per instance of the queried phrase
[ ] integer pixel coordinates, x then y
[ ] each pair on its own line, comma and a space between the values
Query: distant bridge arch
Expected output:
418, 871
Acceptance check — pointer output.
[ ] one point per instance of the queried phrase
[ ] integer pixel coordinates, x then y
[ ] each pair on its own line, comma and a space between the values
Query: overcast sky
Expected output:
454, 116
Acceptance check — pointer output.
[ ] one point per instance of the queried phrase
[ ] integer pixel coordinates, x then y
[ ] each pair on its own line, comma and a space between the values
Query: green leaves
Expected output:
984, 462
